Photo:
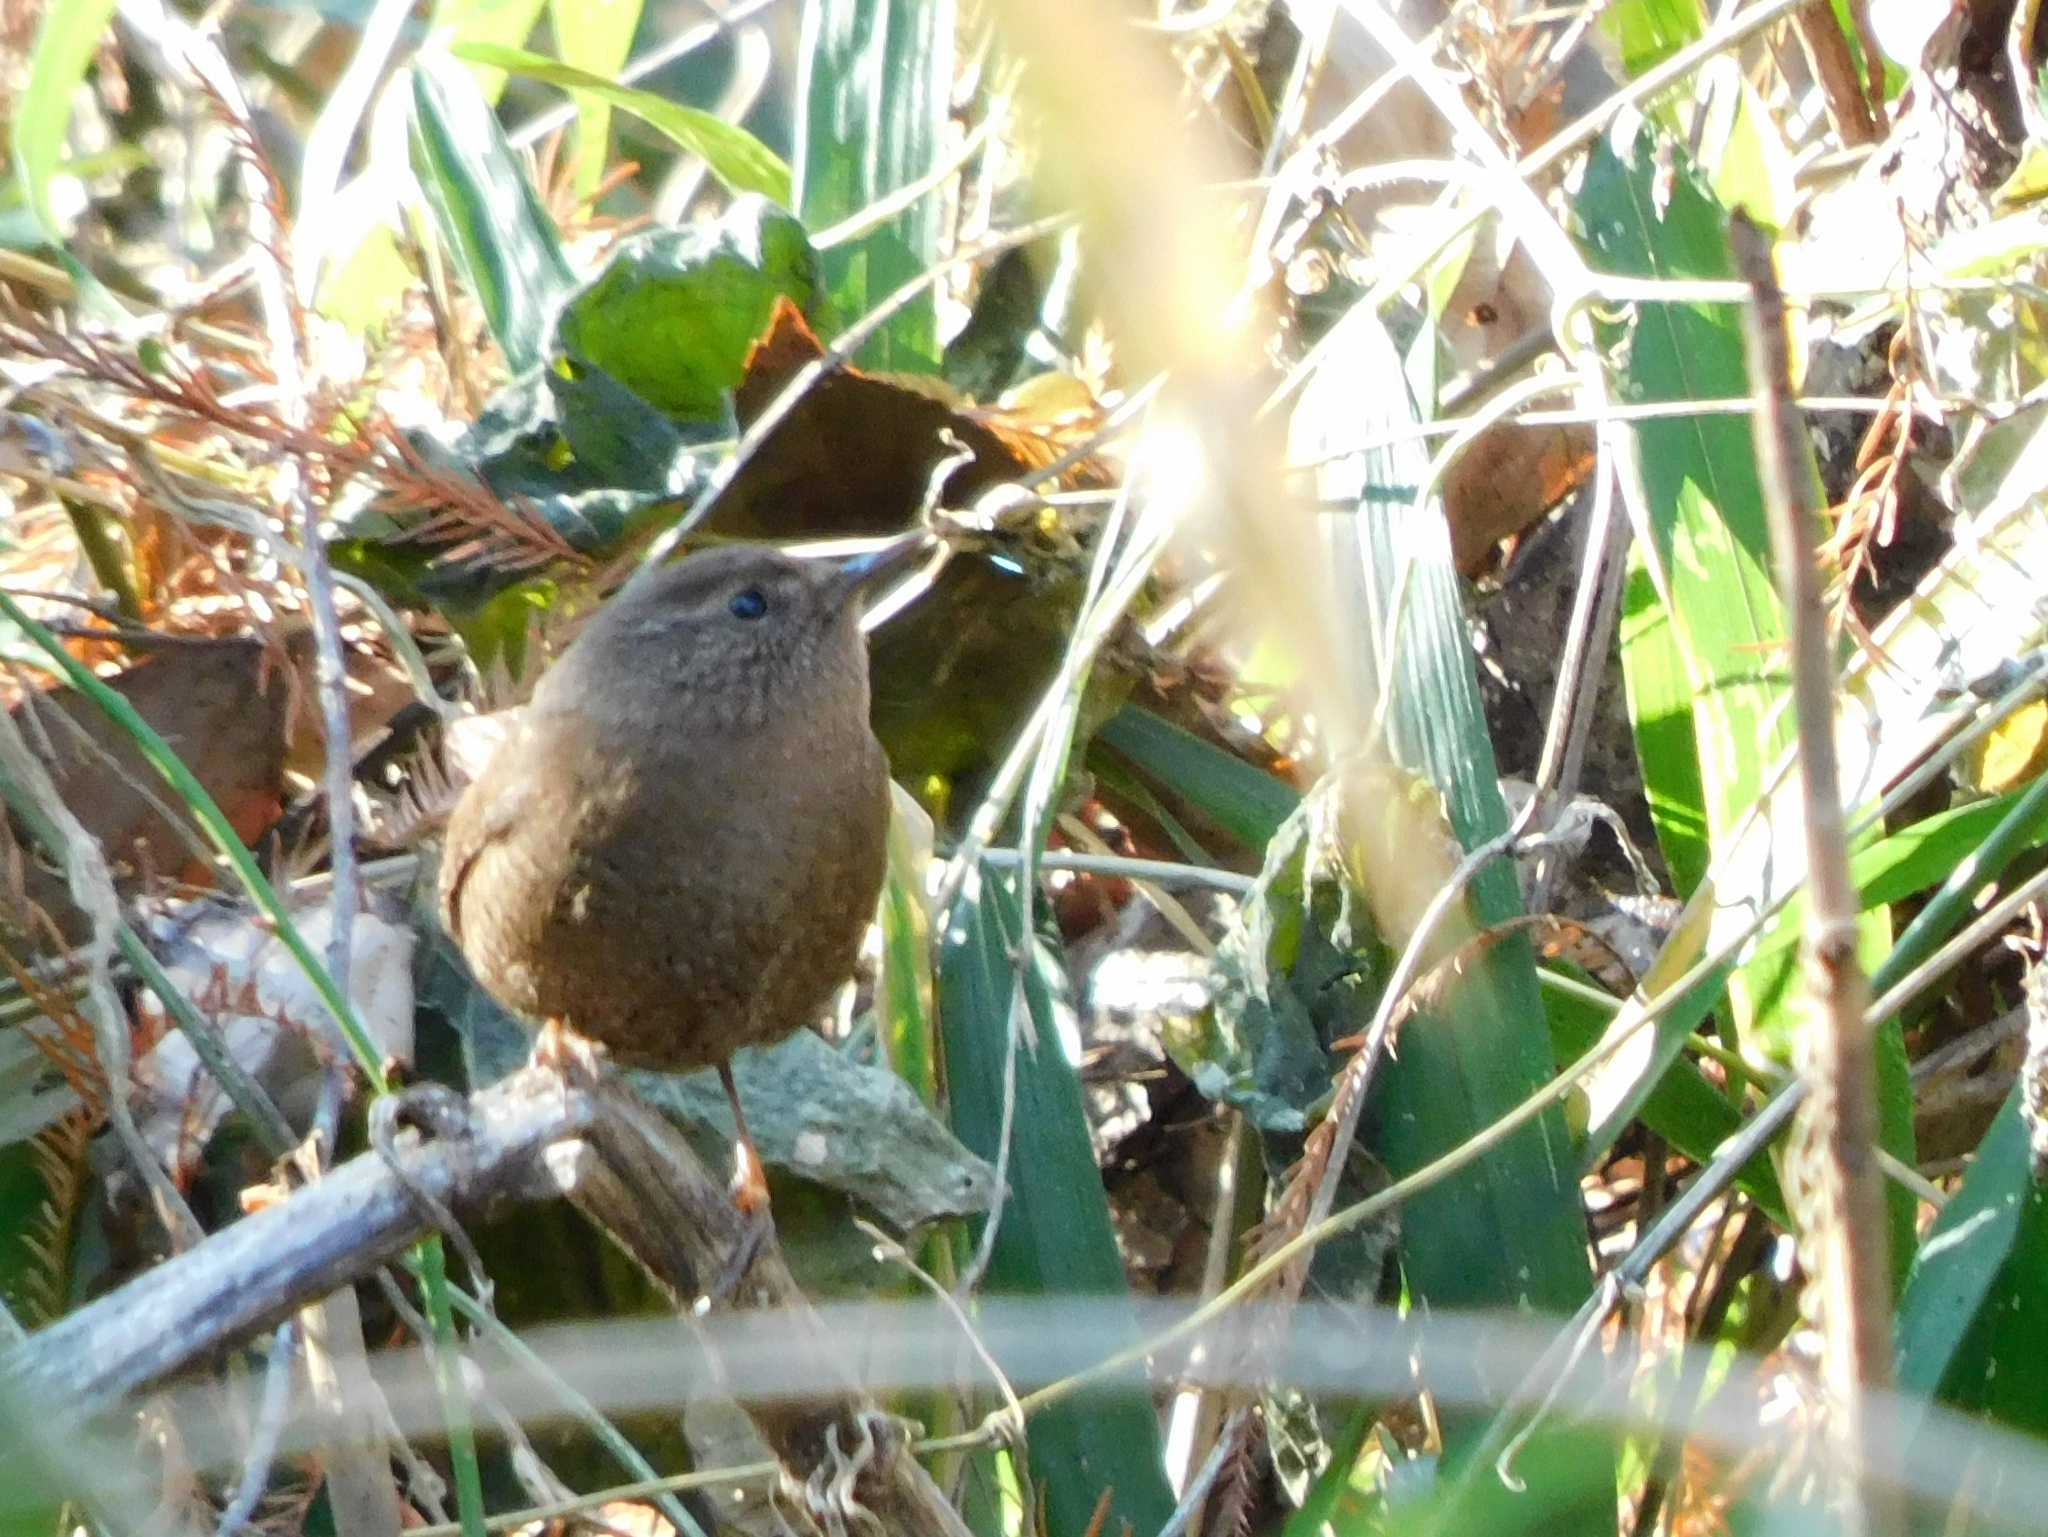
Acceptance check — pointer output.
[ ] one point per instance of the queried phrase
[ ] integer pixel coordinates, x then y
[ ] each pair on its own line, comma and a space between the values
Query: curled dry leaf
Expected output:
241, 976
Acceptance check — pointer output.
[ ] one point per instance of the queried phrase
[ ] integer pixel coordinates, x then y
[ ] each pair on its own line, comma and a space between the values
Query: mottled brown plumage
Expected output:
676, 851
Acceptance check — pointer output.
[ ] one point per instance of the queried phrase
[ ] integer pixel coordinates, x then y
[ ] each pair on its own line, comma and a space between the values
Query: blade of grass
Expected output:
221, 834
65, 43
1248, 804
595, 36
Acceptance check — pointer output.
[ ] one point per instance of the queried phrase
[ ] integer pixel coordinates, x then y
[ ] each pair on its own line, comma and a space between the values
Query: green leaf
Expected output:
1972, 1325
1683, 1107
595, 36
987, 354
1660, 712
1247, 803
568, 446
738, 159
873, 81
1302, 967
1707, 557
673, 314
1054, 1237
65, 44
1288, 969
506, 23
506, 246
1507, 1230
1647, 32
1929, 851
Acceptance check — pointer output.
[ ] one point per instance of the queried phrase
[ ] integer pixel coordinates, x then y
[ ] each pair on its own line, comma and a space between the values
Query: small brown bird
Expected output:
677, 849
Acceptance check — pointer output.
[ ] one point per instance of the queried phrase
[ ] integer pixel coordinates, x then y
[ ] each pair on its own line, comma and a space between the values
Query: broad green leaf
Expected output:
506, 246
738, 159
1929, 851
1743, 150
1054, 1237
594, 36
1706, 545
874, 79
1302, 948
1659, 699
674, 312
1972, 1325
1508, 1230
1683, 1108
988, 354
569, 447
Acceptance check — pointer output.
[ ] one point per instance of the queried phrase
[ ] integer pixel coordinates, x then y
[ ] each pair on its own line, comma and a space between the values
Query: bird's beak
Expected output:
871, 576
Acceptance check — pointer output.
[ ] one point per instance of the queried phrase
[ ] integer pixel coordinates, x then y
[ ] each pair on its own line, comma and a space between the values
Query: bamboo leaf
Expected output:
1705, 551
874, 77
489, 215
738, 159
1054, 1237
1506, 1230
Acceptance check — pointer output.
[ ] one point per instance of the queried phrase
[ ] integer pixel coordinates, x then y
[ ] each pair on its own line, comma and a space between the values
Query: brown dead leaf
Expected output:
956, 674
855, 454
220, 709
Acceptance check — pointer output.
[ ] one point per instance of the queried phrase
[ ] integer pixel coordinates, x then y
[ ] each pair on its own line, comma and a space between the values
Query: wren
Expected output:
676, 851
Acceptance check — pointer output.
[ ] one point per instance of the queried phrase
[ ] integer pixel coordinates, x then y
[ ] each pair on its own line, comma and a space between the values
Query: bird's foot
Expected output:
560, 1049
750, 1199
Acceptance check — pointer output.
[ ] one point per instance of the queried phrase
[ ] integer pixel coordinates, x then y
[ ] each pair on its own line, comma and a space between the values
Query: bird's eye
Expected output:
748, 603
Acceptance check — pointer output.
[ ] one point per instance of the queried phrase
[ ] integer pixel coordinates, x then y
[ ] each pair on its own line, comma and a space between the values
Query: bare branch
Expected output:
1848, 1224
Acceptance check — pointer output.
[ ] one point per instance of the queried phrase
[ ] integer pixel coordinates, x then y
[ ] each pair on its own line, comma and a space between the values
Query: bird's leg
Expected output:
749, 1179
749, 1194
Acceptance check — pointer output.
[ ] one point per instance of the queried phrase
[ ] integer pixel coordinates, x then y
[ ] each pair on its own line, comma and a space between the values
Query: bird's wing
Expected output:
486, 817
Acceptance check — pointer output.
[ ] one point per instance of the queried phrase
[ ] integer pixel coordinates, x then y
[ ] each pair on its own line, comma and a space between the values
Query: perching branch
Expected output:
528, 1138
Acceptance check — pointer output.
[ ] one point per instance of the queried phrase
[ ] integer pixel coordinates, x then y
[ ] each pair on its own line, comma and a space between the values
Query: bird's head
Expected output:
739, 624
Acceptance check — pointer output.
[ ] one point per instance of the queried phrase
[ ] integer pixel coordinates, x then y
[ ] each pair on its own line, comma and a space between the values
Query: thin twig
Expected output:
277, 1393
1850, 1221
